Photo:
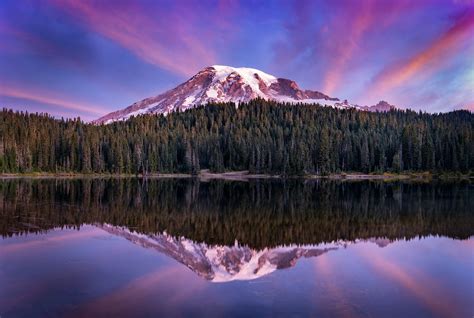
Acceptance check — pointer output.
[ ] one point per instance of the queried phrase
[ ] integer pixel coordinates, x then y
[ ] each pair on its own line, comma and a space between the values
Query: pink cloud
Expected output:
335, 47
350, 36
428, 60
50, 98
174, 38
18, 34
360, 23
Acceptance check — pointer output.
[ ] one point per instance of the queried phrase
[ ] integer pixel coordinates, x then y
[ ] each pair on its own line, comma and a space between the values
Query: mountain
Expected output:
220, 83
220, 263
381, 106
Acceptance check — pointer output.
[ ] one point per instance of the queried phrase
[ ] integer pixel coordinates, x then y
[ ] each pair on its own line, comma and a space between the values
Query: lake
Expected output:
266, 248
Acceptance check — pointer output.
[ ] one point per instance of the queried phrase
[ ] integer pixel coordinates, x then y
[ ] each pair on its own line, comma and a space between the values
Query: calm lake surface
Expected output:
265, 248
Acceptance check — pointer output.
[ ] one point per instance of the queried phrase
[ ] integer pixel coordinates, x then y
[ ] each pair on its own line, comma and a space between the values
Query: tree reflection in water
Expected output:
257, 213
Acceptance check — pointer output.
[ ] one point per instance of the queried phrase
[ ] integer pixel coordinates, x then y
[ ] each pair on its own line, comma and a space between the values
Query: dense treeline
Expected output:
259, 213
260, 136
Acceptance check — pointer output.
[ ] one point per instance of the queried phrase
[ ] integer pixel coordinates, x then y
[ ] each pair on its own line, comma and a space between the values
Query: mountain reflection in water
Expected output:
226, 263
143, 247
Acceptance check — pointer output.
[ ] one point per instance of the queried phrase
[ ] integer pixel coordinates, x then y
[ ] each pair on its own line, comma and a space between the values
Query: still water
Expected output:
265, 248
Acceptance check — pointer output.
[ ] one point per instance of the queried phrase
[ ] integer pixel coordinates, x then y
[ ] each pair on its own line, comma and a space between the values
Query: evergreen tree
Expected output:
323, 155
259, 136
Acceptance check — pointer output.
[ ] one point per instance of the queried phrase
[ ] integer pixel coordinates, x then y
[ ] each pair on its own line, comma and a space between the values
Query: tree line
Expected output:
259, 136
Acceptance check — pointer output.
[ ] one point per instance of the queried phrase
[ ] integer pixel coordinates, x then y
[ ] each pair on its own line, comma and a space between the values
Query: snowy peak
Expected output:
381, 106
220, 83
220, 263
251, 76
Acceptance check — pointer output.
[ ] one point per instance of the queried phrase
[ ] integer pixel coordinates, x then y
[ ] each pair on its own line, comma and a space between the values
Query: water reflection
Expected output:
218, 263
130, 247
261, 213
416, 283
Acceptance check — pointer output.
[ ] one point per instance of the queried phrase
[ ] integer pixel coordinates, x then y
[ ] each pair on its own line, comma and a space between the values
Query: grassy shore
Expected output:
244, 175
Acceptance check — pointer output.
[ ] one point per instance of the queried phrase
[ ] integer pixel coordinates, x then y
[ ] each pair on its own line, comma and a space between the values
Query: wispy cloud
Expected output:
358, 25
49, 98
8, 32
429, 59
173, 37
331, 50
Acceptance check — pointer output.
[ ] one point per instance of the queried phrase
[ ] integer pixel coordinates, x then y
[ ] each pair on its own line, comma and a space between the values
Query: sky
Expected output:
86, 58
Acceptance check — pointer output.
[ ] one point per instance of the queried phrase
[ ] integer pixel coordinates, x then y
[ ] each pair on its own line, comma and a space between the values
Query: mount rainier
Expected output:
220, 83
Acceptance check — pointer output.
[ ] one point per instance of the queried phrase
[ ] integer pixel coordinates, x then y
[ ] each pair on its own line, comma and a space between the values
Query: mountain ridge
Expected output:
220, 83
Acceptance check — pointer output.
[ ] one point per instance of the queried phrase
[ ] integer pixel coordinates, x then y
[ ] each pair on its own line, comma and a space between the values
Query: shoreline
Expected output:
240, 176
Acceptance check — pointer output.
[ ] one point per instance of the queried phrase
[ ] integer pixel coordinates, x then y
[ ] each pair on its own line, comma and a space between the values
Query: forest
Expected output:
259, 136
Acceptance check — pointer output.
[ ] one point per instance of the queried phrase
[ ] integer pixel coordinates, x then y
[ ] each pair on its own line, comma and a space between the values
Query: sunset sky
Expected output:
87, 58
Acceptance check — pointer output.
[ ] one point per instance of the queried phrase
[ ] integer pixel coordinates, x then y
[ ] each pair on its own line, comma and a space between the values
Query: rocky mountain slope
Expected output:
220, 263
219, 83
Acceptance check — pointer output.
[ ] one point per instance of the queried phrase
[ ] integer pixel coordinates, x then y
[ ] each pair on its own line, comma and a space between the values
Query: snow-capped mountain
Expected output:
221, 263
381, 106
220, 83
